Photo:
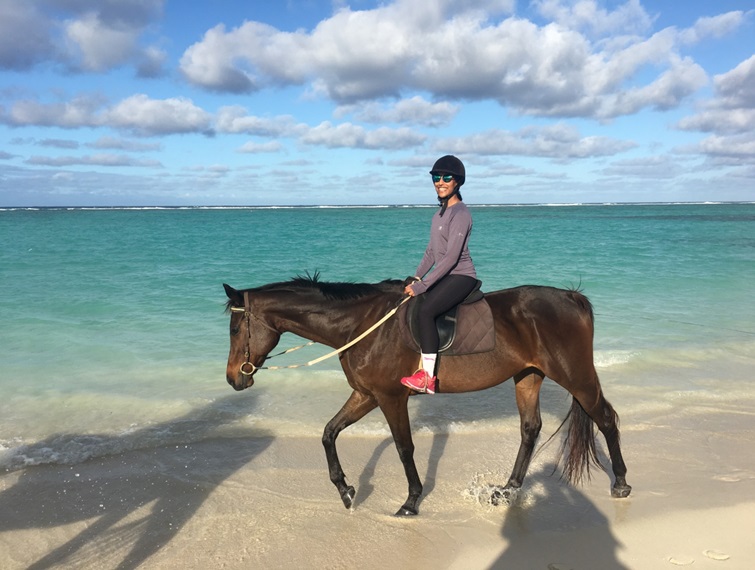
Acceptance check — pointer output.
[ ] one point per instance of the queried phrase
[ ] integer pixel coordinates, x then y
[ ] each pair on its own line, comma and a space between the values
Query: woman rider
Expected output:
453, 274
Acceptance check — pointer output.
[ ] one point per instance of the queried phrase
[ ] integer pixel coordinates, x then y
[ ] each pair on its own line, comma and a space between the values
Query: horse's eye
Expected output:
234, 331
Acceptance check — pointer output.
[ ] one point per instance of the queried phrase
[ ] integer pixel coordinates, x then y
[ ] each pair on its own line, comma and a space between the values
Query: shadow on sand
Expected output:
365, 487
554, 525
132, 502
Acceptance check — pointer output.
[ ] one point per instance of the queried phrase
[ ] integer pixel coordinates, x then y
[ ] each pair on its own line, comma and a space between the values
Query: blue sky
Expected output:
168, 102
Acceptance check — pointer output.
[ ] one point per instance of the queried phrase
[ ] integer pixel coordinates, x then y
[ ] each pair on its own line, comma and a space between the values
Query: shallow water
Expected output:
113, 332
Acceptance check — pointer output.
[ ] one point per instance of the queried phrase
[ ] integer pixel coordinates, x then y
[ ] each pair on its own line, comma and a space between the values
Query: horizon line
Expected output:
356, 206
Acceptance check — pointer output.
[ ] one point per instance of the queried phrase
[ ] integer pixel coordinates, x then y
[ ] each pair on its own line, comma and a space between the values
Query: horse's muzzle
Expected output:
240, 382
241, 378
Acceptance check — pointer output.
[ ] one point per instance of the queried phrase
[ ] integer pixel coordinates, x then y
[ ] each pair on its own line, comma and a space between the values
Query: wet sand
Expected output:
266, 502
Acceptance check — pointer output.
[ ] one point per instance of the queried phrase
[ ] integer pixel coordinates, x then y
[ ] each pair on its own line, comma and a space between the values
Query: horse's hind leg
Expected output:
608, 423
607, 420
528, 386
355, 408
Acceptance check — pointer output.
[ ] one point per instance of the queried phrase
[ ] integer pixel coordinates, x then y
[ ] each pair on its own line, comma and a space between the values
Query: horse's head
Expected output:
251, 339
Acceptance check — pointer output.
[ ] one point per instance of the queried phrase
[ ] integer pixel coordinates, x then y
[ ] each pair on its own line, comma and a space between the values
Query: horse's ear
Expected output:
235, 296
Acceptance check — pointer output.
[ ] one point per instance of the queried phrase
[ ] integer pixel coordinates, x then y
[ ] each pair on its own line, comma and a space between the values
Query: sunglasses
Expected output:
444, 177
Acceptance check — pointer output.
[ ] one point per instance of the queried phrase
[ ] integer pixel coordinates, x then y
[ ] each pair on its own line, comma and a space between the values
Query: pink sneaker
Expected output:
420, 382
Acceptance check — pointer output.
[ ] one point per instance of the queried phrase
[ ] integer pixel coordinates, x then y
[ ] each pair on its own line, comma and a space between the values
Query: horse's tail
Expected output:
578, 449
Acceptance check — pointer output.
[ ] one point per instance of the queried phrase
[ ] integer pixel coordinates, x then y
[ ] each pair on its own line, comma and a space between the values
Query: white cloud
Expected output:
722, 121
122, 144
58, 143
212, 172
138, 114
652, 167
558, 142
252, 147
92, 160
738, 149
730, 118
354, 136
666, 92
25, 35
732, 109
204, 64
732, 147
90, 35
713, 27
79, 112
235, 119
737, 87
151, 62
456, 52
145, 116
415, 110
588, 15
98, 46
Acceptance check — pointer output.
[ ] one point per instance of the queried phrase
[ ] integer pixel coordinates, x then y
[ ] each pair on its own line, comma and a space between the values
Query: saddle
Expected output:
467, 328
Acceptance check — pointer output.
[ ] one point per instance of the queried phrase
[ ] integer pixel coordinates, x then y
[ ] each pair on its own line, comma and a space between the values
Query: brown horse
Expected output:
540, 331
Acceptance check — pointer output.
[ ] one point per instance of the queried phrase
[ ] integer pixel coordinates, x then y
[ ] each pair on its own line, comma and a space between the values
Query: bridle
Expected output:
248, 368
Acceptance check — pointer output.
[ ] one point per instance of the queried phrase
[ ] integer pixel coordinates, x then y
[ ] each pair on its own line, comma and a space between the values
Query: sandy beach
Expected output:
266, 502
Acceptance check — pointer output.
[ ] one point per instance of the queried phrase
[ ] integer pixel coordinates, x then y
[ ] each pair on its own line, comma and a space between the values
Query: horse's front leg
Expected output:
355, 408
397, 415
528, 402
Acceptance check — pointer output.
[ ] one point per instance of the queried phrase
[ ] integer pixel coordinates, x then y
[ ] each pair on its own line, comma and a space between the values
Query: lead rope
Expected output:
349, 344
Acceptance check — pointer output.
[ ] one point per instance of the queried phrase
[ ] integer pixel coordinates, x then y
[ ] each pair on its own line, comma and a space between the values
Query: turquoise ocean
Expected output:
113, 335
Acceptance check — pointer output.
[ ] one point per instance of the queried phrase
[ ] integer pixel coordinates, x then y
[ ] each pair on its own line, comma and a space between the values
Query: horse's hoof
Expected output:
620, 491
406, 512
348, 497
503, 496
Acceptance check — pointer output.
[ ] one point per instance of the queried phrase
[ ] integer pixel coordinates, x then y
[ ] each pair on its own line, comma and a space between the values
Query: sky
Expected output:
349, 102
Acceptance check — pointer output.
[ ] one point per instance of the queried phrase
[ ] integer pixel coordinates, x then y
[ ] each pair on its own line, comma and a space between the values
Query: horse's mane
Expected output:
334, 291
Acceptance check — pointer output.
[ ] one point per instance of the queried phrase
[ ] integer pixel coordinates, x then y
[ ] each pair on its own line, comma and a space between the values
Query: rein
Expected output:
247, 368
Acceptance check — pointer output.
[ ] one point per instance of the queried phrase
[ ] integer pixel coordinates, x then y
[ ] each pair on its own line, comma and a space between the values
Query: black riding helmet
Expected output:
449, 164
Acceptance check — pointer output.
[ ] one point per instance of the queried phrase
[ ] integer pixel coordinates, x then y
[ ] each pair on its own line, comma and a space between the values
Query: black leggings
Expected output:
444, 295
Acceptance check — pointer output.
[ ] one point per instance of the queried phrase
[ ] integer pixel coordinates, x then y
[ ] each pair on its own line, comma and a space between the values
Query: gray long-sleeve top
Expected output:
448, 252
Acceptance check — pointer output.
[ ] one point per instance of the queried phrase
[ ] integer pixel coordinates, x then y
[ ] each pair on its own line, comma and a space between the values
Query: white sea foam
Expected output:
606, 359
